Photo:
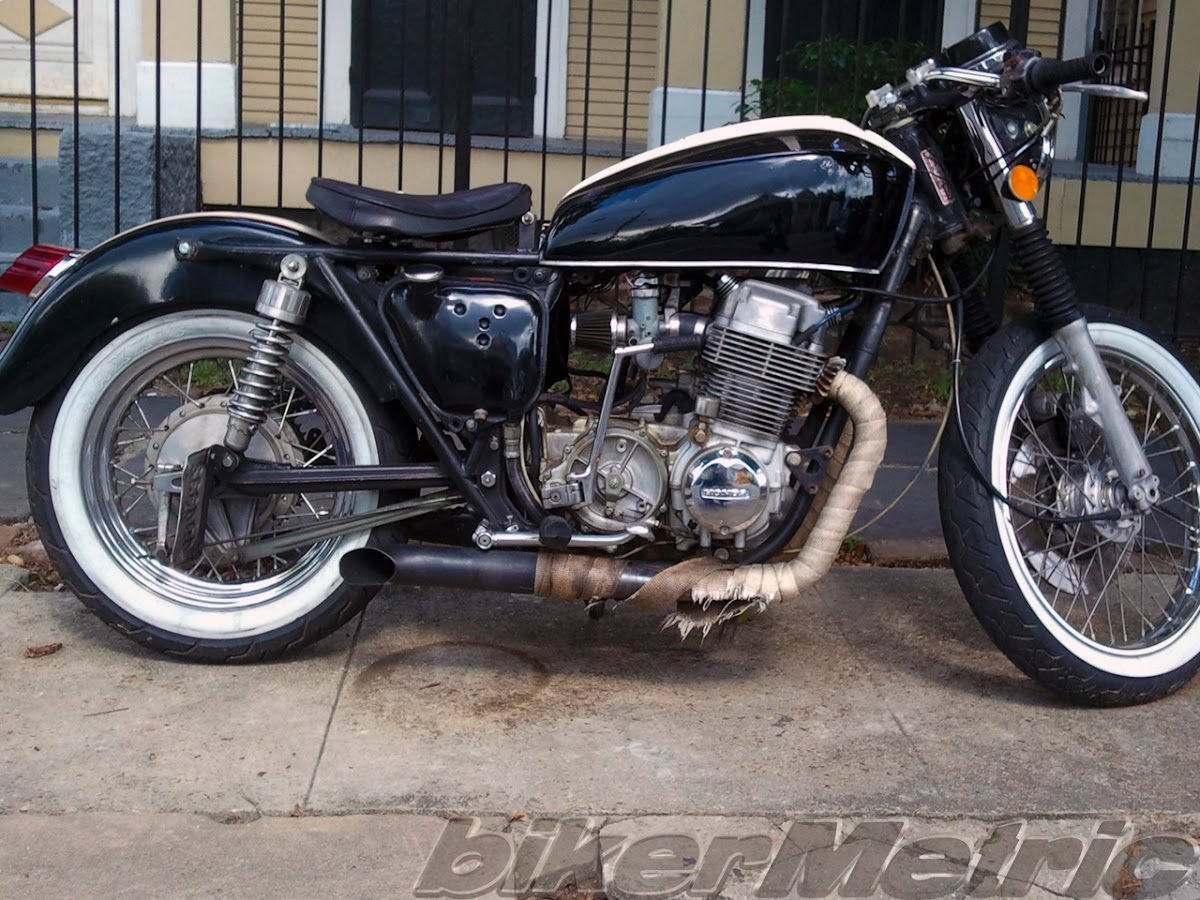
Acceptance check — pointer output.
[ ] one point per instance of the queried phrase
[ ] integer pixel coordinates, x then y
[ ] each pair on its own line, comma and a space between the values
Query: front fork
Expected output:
1058, 306
1055, 300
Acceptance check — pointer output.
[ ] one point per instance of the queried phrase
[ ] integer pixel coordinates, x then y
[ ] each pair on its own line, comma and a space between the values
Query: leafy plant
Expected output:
833, 62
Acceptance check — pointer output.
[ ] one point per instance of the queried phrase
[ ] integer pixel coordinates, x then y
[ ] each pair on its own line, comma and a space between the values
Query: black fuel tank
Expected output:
795, 192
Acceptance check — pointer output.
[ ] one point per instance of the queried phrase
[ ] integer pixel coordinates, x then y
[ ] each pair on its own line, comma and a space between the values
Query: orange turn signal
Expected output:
1024, 183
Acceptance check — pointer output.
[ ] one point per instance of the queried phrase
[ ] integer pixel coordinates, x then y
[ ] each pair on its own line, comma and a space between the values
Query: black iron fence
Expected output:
132, 111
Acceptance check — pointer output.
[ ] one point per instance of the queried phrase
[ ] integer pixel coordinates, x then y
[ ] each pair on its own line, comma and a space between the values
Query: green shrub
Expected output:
838, 59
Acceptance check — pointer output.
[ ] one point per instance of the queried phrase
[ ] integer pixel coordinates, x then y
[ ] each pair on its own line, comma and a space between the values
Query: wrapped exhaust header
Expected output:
707, 593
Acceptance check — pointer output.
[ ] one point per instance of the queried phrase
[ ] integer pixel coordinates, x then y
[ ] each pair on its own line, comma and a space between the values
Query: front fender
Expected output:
137, 273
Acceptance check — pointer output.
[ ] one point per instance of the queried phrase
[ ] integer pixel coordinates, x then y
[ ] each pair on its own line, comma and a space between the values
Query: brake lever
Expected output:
1114, 91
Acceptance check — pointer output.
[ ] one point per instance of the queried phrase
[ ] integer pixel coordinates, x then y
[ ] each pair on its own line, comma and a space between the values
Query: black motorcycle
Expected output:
225, 468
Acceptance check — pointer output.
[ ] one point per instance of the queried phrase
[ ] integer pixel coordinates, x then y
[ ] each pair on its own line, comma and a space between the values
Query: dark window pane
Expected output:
404, 51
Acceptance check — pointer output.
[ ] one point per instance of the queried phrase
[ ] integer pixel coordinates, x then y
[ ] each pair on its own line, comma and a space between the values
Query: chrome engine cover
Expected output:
743, 460
631, 484
725, 490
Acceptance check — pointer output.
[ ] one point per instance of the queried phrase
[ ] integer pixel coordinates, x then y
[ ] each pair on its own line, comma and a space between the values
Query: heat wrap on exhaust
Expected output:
704, 592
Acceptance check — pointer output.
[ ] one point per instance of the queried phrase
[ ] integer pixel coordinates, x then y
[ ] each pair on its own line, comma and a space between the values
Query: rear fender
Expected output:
137, 274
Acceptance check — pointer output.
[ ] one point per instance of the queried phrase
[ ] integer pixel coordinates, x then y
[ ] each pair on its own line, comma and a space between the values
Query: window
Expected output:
1125, 28
404, 63
812, 46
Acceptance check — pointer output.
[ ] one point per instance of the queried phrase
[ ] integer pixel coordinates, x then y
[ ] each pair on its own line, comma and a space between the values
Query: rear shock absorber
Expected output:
283, 305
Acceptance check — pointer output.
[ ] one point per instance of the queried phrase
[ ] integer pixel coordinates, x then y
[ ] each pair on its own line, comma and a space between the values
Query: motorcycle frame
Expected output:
859, 346
218, 260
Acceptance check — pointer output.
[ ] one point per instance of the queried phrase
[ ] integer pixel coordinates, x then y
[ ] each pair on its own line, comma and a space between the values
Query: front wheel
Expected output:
101, 453
1105, 612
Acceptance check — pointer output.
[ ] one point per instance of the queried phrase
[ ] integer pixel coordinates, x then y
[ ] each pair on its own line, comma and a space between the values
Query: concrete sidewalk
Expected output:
876, 695
340, 771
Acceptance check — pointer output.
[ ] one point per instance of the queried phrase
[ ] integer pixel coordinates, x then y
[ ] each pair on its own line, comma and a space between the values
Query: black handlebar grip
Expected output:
1046, 75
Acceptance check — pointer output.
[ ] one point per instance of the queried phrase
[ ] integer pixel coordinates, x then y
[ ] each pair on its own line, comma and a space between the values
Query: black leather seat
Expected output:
419, 215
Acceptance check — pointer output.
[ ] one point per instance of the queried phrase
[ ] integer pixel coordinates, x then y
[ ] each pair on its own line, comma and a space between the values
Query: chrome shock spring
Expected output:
283, 305
260, 380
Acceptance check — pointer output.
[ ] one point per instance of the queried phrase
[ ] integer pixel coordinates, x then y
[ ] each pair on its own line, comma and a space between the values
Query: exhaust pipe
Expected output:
511, 571
701, 593
449, 567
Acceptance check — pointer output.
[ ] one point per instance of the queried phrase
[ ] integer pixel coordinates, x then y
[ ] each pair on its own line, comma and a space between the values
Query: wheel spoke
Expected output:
304, 428
1084, 573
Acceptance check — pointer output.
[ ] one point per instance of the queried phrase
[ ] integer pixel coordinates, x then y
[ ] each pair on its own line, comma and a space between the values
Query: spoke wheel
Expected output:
1103, 611
104, 462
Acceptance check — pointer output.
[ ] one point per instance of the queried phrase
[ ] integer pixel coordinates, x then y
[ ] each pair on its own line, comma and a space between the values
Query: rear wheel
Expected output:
1104, 612
102, 450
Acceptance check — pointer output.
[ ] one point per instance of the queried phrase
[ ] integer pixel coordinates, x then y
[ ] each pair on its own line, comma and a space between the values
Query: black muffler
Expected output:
511, 571
454, 567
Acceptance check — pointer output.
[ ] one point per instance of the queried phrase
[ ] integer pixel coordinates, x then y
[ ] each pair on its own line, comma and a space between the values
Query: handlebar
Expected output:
1045, 75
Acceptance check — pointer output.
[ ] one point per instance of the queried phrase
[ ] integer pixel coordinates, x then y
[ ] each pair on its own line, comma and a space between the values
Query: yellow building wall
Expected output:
260, 71
178, 34
622, 31
1099, 208
726, 42
1044, 20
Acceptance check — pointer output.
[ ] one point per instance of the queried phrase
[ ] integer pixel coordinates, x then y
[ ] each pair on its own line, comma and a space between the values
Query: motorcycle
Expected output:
244, 428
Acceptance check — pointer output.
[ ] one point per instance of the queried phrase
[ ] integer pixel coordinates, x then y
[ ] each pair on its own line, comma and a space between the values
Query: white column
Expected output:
1078, 26
958, 20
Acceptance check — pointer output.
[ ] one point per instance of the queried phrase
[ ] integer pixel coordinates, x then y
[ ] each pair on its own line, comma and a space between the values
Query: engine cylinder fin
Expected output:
756, 381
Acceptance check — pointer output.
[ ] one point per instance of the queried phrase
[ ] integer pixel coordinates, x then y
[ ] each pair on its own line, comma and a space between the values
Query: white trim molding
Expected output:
550, 97
1177, 159
958, 20
1078, 26
683, 112
218, 94
131, 51
335, 66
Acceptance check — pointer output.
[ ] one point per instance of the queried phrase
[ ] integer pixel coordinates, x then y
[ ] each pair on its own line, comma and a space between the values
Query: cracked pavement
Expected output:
337, 770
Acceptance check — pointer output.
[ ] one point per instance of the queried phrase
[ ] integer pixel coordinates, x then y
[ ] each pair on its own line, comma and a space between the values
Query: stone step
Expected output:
16, 181
16, 228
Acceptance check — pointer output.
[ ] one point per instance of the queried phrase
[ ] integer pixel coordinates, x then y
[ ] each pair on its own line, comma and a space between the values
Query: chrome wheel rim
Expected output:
1120, 594
109, 544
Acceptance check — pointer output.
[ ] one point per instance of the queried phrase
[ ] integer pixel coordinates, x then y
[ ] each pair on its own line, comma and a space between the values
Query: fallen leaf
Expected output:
519, 817
297, 812
34, 551
13, 560
44, 650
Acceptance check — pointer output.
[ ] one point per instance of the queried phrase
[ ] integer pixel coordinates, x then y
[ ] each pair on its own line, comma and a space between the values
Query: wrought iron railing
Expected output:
213, 105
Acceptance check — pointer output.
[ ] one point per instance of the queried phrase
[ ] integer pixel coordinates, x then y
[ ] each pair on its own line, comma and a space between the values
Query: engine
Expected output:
711, 470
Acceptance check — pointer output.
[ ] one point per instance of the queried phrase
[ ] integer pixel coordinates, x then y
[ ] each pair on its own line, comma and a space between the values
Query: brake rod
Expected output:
319, 531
